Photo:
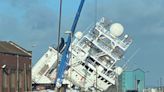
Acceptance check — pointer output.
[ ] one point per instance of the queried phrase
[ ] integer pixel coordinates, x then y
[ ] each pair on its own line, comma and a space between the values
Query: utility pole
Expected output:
56, 89
161, 89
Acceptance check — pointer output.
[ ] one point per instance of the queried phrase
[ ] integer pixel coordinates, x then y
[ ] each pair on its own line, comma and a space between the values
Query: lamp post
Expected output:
161, 89
145, 78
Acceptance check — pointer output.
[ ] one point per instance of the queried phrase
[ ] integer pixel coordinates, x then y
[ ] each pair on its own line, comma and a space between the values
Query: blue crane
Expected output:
65, 59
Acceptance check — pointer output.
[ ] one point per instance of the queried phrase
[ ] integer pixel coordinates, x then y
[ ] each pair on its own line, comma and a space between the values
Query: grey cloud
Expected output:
138, 15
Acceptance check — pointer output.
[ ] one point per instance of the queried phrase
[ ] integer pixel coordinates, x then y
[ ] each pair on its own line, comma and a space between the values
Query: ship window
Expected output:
105, 70
43, 70
105, 81
86, 67
94, 33
108, 82
83, 64
90, 70
51, 70
118, 52
105, 42
90, 60
84, 42
46, 55
102, 78
97, 63
86, 72
109, 71
99, 76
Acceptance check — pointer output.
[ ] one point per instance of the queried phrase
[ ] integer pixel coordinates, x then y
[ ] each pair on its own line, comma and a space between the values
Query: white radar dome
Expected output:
78, 35
116, 29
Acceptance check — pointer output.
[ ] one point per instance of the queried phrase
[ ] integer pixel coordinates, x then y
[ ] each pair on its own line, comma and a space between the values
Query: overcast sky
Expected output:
33, 25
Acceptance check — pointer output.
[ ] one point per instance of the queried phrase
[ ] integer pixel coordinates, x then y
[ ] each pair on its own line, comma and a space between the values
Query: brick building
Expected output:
15, 68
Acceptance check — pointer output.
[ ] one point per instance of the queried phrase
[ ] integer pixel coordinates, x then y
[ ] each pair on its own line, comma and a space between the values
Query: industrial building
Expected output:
132, 81
15, 68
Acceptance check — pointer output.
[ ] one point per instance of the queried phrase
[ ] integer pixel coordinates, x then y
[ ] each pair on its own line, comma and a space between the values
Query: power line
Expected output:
126, 63
95, 7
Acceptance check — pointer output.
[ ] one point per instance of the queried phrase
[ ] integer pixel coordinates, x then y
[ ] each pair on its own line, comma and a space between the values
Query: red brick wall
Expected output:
0, 79
11, 64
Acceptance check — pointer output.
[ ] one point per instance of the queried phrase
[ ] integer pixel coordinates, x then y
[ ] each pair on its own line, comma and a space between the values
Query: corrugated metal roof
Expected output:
13, 48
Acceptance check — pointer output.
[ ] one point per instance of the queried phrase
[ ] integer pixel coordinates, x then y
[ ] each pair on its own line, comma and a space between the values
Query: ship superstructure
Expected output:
94, 56
92, 59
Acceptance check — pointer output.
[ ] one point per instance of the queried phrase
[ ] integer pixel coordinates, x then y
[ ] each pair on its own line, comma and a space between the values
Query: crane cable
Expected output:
95, 20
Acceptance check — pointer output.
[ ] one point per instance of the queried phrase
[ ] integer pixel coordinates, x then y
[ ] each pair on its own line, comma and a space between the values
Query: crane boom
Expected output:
64, 59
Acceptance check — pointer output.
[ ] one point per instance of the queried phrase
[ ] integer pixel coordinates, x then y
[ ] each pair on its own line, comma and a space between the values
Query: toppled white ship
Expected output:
92, 63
